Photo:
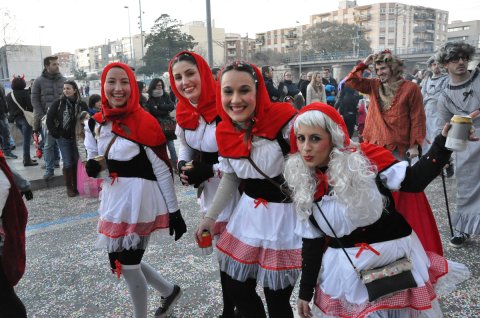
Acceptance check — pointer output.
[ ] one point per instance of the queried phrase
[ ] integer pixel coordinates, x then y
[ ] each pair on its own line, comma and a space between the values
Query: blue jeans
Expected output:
171, 149
69, 151
4, 135
51, 152
26, 130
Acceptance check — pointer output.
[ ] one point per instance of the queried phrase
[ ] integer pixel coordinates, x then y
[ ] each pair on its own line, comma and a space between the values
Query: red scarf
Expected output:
131, 122
186, 114
14, 221
268, 120
378, 156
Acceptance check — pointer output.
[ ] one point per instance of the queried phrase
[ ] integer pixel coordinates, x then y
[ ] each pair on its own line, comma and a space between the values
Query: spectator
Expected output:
331, 87
304, 84
276, 93
292, 89
160, 106
143, 96
47, 88
316, 90
61, 122
348, 108
4, 129
18, 102
94, 104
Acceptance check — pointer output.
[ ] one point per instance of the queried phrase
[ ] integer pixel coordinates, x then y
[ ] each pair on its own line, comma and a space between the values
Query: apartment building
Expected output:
198, 31
396, 26
284, 40
238, 47
467, 31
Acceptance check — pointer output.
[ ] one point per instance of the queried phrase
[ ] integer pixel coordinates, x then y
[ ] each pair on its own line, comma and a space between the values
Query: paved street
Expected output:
66, 277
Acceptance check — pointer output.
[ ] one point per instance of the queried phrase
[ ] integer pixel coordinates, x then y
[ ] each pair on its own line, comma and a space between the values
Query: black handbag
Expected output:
381, 281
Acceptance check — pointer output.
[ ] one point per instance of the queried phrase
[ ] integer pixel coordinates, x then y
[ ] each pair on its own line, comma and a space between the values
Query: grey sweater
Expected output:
45, 90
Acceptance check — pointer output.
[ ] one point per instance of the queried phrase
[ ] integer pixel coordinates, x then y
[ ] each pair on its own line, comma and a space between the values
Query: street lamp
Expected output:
40, 38
300, 41
141, 27
132, 51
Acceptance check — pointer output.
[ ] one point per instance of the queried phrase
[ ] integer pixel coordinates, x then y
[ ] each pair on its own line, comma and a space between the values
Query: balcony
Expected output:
231, 53
362, 17
291, 35
424, 28
423, 16
231, 45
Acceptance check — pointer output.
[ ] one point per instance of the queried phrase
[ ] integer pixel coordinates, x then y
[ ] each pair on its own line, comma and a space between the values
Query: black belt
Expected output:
262, 188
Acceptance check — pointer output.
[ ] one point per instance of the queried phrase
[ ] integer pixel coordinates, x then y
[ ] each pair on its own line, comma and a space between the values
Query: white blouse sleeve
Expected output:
164, 180
185, 153
90, 143
305, 229
4, 187
393, 177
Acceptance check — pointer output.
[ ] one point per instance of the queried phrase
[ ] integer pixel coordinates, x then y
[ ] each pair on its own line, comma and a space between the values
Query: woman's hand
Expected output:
207, 224
303, 309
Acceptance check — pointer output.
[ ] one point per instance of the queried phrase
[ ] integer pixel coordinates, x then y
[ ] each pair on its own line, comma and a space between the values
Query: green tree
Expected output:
79, 74
163, 42
331, 37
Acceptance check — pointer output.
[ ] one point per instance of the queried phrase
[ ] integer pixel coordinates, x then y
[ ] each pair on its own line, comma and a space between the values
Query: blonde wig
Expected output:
350, 174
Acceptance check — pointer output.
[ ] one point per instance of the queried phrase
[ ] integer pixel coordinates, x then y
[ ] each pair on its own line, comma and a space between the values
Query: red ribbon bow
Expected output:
114, 177
364, 247
260, 201
118, 268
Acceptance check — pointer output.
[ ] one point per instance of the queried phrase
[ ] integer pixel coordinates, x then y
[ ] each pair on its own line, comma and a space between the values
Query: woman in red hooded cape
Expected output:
258, 246
138, 197
345, 196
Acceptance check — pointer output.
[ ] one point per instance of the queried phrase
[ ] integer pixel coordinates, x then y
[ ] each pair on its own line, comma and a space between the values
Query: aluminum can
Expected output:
457, 138
205, 243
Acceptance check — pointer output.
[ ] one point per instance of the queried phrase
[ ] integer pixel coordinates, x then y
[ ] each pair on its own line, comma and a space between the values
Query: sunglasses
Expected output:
457, 59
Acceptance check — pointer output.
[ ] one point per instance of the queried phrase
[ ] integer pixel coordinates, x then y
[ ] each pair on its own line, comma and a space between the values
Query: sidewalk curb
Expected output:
38, 184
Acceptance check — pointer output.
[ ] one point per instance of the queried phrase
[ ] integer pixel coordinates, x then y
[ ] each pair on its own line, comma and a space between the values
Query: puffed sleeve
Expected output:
164, 180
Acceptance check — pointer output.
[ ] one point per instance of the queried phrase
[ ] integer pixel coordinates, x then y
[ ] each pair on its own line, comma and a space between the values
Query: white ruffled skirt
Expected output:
259, 242
341, 293
131, 211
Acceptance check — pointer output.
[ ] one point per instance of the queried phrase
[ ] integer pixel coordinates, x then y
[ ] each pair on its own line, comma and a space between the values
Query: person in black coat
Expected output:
160, 105
16, 115
61, 121
347, 105
276, 93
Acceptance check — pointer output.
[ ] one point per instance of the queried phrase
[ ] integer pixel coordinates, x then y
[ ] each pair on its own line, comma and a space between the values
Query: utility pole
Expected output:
132, 51
209, 35
40, 40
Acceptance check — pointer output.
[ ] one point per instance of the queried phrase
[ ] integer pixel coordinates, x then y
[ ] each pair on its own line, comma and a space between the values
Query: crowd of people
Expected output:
283, 188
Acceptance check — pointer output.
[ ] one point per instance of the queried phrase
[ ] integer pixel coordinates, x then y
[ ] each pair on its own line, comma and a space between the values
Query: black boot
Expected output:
67, 174
27, 162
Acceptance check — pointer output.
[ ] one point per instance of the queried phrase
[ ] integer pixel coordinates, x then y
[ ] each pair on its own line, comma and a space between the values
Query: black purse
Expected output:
380, 281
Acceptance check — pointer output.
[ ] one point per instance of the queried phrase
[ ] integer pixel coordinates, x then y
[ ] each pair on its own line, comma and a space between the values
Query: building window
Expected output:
383, 10
455, 29
391, 23
391, 10
382, 24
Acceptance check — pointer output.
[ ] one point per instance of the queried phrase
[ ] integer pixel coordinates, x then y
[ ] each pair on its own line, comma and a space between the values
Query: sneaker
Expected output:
10, 155
459, 239
48, 175
449, 170
167, 303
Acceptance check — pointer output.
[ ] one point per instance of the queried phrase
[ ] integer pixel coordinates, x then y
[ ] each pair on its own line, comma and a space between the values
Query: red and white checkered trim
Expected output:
266, 258
116, 230
419, 298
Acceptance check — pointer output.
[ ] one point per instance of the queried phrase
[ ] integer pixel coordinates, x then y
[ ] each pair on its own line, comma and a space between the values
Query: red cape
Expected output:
187, 115
131, 121
14, 221
269, 119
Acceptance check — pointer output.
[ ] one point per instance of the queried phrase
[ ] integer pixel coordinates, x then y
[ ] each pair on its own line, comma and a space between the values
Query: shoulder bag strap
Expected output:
336, 237
284, 189
110, 146
16, 102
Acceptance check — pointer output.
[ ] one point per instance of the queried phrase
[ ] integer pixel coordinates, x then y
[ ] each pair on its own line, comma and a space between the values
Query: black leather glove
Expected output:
92, 167
28, 195
199, 173
177, 225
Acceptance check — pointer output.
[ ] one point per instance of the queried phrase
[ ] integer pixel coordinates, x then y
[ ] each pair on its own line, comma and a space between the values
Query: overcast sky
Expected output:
79, 24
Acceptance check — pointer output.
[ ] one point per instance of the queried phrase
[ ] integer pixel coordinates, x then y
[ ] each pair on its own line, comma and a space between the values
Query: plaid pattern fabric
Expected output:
117, 230
419, 298
399, 127
266, 258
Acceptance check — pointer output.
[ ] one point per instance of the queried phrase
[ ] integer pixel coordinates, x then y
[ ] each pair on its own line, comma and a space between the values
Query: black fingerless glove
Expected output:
177, 225
28, 195
199, 173
93, 168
